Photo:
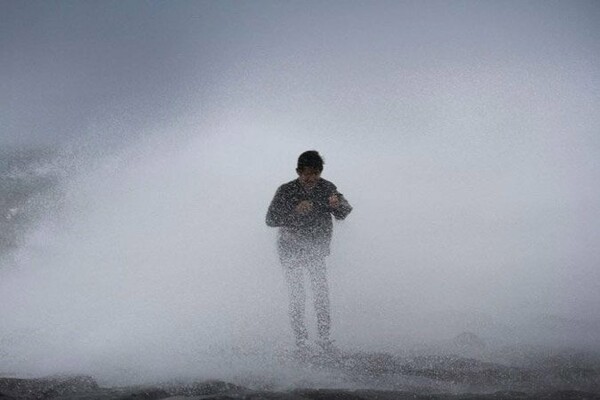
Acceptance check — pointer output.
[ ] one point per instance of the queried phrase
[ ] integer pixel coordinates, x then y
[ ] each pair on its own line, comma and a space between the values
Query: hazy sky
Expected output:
68, 64
464, 133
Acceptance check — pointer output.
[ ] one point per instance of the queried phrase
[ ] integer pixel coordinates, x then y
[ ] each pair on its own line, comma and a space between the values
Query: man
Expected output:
302, 210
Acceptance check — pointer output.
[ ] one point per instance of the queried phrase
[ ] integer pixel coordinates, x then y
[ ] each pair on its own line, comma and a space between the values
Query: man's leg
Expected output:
318, 280
297, 296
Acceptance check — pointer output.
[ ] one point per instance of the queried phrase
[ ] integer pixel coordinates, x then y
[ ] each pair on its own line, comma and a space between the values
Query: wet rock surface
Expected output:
423, 377
52, 387
86, 389
428, 373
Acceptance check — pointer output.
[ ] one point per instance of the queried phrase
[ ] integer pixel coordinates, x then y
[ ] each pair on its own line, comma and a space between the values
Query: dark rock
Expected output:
567, 395
46, 388
6, 397
142, 394
466, 370
331, 394
85, 388
328, 394
266, 396
335, 394
203, 388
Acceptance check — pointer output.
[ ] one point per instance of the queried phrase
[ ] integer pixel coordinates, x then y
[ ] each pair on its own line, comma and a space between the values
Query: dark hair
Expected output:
312, 159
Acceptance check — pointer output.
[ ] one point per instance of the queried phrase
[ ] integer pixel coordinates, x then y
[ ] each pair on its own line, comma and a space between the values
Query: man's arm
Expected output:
340, 208
280, 211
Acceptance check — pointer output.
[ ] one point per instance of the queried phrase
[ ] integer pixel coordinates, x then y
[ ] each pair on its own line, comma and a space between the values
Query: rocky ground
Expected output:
85, 388
383, 376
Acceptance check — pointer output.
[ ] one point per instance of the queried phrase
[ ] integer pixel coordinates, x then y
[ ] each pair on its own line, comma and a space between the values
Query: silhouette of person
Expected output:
302, 209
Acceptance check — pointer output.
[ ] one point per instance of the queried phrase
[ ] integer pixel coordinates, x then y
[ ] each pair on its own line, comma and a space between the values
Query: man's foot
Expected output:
329, 354
327, 346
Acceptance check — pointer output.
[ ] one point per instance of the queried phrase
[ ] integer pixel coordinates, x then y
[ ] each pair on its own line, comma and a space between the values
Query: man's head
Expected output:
310, 166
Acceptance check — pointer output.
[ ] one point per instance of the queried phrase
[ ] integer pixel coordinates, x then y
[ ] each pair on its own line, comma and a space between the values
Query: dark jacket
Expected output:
311, 231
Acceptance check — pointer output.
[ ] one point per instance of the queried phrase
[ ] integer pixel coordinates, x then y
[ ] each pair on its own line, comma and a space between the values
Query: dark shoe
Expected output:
329, 354
327, 346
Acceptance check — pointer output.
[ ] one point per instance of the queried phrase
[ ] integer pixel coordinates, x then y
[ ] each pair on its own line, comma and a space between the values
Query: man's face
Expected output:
308, 176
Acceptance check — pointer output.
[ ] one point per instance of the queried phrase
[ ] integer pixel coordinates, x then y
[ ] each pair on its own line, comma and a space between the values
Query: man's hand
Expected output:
334, 201
304, 207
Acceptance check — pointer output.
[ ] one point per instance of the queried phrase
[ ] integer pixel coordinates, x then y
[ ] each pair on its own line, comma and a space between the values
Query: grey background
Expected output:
464, 133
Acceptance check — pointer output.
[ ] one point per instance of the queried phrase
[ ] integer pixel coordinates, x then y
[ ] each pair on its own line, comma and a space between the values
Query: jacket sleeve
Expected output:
280, 212
343, 209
